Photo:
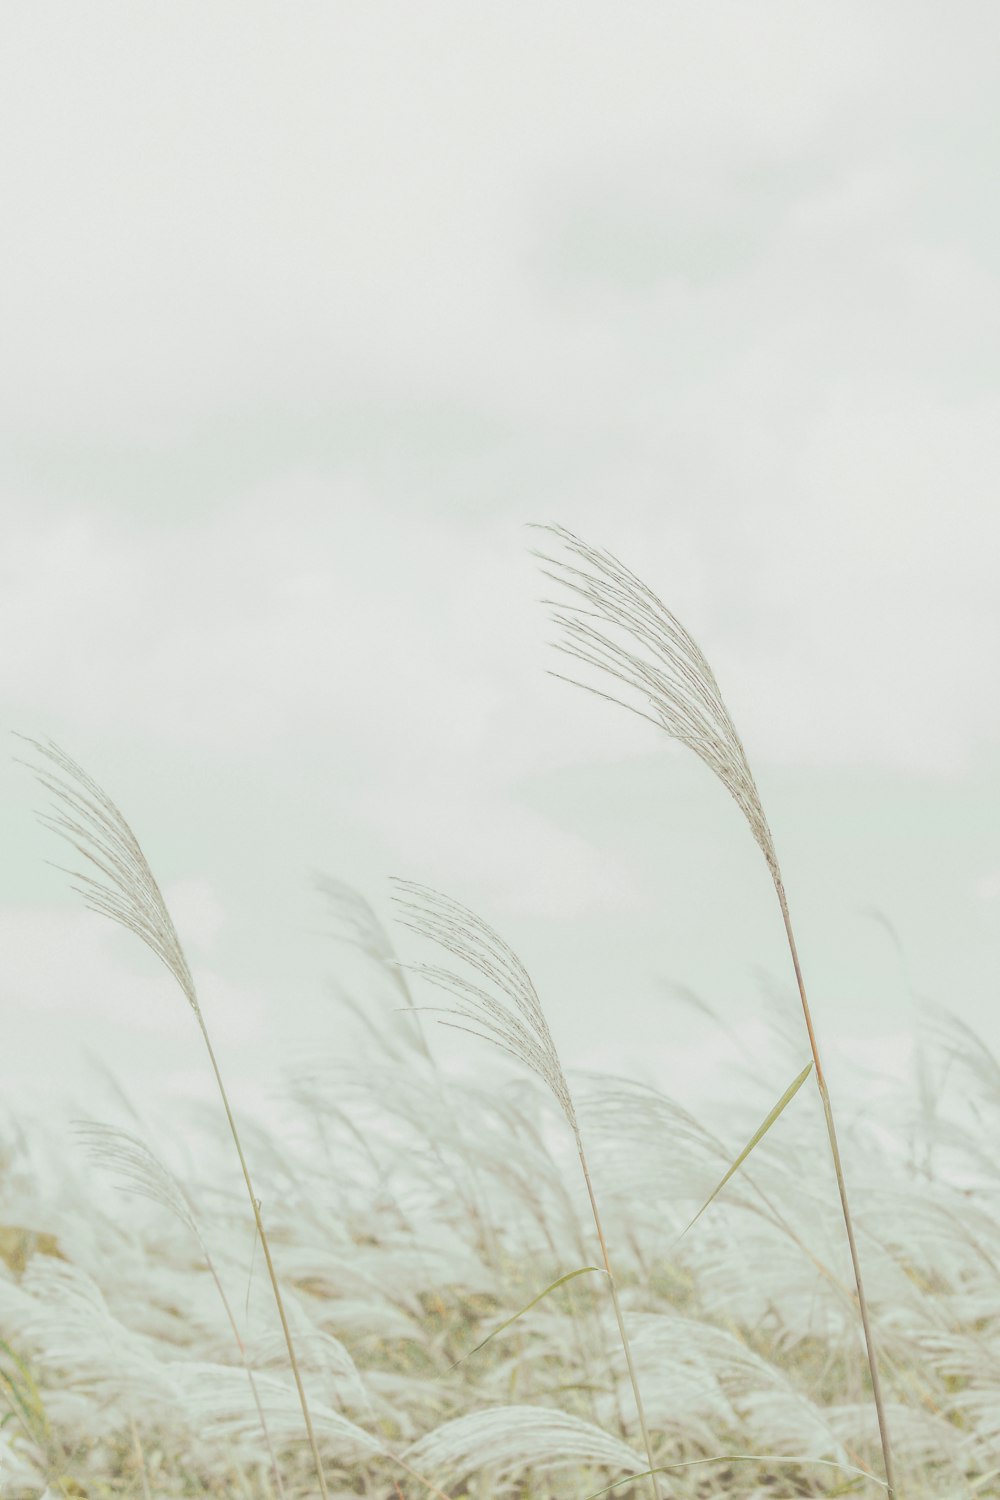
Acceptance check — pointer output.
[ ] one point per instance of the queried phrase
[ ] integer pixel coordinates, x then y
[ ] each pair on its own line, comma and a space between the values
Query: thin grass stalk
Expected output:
272, 1274
505, 1009
619, 1318
831, 1131
615, 625
575, 1319
126, 890
276, 1471
597, 1326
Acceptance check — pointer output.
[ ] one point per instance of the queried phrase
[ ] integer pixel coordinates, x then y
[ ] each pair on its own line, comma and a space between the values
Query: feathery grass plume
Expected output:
510, 1439
743, 1344
125, 890
139, 1171
84, 1341
505, 1009
357, 923
612, 622
509, 1014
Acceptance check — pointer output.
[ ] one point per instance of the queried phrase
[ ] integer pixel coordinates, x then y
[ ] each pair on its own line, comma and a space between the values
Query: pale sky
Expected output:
306, 312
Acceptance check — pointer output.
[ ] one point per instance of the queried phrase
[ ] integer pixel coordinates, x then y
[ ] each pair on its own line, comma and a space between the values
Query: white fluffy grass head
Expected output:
124, 887
610, 621
502, 1005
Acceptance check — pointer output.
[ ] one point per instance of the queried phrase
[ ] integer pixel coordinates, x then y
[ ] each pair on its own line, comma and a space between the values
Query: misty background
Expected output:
306, 312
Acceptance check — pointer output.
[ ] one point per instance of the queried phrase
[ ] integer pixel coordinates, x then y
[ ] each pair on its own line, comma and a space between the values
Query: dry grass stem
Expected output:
505, 1009
613, 623
125, 890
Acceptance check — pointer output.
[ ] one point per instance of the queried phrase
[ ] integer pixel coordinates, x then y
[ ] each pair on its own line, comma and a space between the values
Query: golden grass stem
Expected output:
276, 1471
276, 1289
613, 624
831, 1131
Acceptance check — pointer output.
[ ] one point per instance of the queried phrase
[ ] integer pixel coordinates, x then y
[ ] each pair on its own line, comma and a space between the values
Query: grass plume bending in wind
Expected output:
615, 627
614, 623
126, 890
505, 1009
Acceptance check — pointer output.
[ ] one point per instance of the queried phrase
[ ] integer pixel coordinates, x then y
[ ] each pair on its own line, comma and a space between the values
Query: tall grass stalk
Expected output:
612, 622
126, 891
508, 1013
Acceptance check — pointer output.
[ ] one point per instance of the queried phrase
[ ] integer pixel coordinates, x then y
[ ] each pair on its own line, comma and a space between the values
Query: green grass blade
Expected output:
754, 1140
742, 1458
30, 1409
561, 1281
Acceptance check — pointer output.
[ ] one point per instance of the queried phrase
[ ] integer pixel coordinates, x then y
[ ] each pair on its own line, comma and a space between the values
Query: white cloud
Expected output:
716, 324
212, 208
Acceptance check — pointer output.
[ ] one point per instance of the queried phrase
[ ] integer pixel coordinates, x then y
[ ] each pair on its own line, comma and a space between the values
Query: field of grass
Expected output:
410, 1214
528, 1284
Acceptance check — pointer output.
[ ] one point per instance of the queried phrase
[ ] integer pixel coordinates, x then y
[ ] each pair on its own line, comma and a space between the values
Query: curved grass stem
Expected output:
125, 890
614, 626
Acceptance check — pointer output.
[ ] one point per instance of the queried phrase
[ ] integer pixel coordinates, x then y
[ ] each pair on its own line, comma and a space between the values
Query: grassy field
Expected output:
410, 1214
539, 1285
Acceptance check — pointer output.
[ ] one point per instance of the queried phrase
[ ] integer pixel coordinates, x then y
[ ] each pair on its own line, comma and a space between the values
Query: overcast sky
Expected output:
307, 310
